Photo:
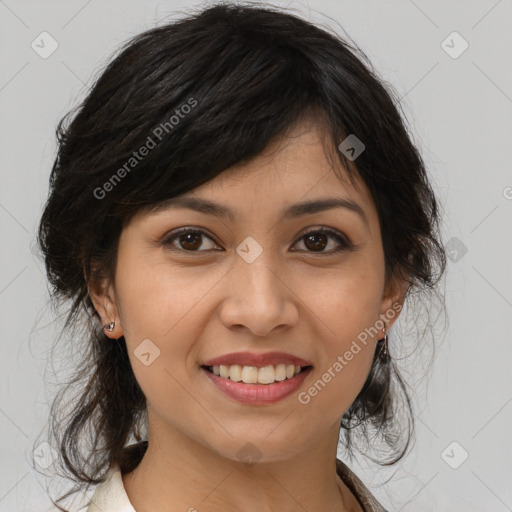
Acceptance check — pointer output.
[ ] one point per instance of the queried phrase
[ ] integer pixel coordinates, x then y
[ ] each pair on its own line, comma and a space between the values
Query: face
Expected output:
309, 284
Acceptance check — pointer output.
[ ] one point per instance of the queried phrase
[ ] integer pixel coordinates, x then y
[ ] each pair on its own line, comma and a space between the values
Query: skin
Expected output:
294, 298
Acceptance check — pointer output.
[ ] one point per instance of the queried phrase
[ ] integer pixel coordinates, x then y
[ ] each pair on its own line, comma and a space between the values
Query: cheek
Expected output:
348, 308
153, 297
162, 313
349, 303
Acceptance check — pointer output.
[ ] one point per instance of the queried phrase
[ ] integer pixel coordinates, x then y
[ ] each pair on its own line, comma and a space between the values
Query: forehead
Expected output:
300, 166
296, 170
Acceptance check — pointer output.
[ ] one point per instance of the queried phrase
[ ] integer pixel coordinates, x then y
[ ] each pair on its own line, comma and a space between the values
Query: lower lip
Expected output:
258, 394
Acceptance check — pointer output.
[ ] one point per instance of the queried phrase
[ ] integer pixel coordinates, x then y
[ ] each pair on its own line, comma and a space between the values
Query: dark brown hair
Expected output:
218, 85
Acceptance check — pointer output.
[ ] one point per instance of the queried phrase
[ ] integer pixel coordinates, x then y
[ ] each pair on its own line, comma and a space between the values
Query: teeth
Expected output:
249, 374
254, 375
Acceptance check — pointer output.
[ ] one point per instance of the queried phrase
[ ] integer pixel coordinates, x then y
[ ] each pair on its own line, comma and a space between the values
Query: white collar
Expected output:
111, 495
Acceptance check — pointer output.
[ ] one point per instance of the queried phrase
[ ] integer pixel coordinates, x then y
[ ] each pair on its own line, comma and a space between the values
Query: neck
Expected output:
178, 473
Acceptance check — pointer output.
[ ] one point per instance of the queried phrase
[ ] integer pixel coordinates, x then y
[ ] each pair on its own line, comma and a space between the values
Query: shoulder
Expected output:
363, 495
110, 495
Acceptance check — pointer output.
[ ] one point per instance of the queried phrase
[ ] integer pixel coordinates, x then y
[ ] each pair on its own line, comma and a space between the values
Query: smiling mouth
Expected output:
257, 375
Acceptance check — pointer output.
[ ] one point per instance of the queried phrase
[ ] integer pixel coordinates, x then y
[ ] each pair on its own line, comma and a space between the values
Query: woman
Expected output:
239, 215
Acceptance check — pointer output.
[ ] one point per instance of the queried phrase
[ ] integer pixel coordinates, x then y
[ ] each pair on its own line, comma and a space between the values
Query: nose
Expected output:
258, 297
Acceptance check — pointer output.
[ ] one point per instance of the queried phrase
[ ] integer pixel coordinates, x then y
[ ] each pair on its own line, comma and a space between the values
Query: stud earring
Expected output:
109, 327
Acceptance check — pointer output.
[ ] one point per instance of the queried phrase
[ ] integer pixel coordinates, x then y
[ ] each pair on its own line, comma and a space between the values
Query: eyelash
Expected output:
344, 242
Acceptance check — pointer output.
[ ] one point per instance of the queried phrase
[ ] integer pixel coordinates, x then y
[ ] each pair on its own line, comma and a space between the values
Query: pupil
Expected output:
188, 237
314, 236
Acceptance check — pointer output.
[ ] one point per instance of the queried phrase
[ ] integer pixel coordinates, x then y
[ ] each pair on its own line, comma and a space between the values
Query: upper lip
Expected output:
260, 360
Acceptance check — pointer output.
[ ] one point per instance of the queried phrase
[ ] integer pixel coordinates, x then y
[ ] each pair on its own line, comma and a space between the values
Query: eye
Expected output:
189, 239
316, 240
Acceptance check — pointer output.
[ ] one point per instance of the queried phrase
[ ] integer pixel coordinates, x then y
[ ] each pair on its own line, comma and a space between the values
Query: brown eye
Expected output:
191, 241
188, 240
317, 240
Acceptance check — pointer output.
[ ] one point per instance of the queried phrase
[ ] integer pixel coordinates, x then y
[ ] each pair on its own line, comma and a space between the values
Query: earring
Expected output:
109, 327
384, 354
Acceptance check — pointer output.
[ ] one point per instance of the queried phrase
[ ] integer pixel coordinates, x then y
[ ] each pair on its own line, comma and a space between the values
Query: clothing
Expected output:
110, 496
363, 495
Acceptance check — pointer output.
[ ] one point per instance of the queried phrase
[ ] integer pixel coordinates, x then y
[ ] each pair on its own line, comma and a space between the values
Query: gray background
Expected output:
459, 110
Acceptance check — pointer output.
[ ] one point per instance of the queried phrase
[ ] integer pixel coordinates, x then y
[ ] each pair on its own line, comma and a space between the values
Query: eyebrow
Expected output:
294, 211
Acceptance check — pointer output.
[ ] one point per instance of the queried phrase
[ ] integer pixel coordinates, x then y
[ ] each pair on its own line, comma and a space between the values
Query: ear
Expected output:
393, 300
103, 297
